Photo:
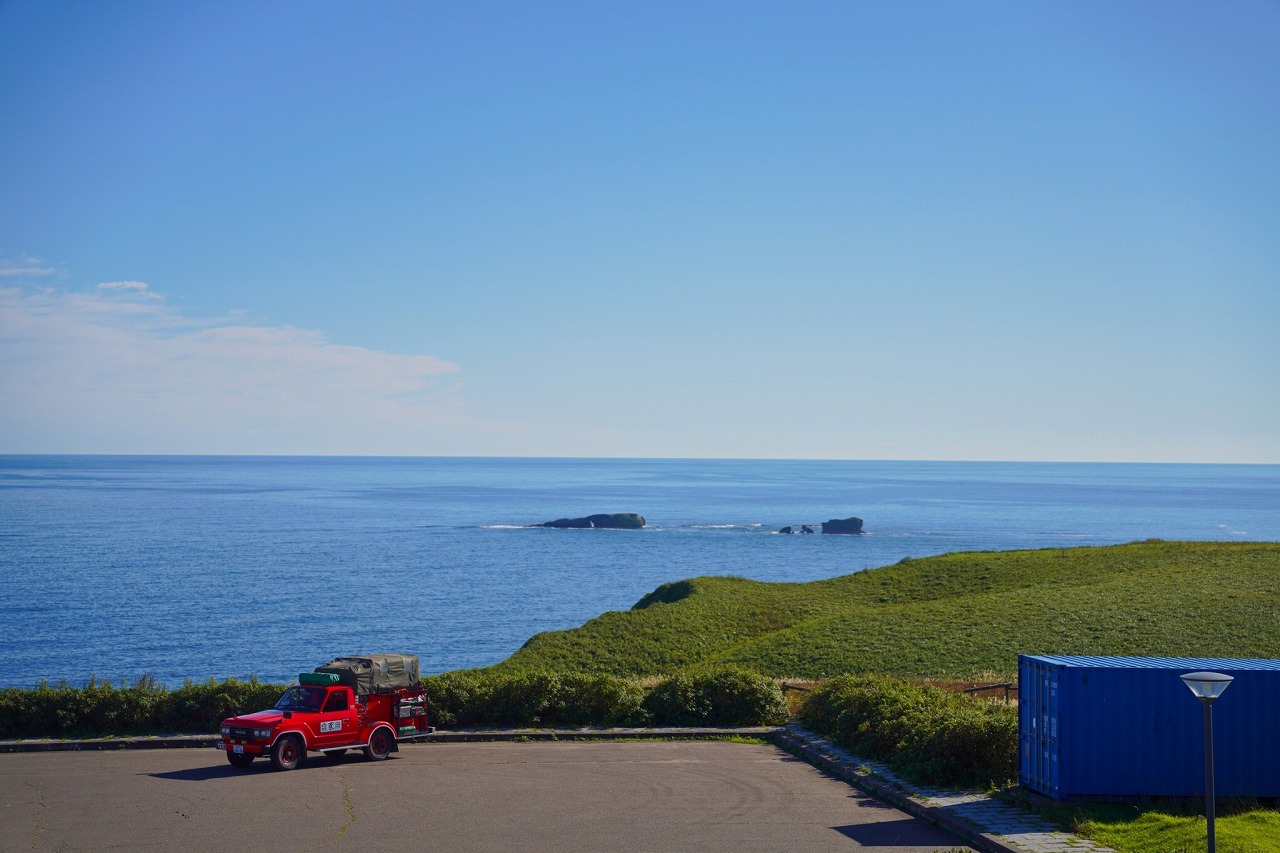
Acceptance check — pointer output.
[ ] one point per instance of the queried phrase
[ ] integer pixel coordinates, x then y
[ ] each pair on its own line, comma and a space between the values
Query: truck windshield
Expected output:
301, 699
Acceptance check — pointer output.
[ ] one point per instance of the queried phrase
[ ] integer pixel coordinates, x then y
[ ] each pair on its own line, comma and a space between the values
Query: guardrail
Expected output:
1007, 686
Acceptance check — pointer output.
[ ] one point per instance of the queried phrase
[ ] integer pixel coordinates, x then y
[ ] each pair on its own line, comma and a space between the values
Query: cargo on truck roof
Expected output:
375, 673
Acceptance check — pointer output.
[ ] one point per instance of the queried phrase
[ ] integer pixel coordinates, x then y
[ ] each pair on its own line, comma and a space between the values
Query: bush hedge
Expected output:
462, 699
924, 732
144, 707
727, 697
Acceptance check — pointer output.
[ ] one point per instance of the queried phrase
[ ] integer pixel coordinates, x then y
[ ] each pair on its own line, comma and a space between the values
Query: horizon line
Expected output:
549, 458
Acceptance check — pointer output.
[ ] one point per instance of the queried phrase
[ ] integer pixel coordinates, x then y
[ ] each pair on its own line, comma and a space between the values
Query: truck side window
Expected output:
336, 702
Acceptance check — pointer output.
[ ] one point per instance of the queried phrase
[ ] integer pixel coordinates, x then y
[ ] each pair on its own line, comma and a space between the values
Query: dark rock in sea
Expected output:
842, 526
804, 528
611, 521
786, 529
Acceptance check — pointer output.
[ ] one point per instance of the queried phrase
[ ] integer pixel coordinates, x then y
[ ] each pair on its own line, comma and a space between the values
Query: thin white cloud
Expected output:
117, 370
137, 288
26, 267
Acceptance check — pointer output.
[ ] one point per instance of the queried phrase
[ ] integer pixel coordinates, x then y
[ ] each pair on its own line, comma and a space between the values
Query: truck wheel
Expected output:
239, 760
286, 753
379, 745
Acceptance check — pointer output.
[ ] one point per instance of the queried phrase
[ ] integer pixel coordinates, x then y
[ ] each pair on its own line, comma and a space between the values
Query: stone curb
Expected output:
678, 732
868, 784
161, 742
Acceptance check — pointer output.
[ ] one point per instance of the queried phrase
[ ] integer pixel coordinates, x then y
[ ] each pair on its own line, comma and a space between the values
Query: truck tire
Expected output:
380, 743
287, 753
238, 759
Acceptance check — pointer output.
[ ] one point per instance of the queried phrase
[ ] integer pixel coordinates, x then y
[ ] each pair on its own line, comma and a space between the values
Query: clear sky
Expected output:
859, 230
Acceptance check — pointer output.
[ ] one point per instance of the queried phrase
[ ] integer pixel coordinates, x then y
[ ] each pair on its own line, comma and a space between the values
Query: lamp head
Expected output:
1207, 686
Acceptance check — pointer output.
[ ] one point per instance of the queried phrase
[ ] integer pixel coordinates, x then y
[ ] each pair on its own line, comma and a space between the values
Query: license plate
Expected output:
238, 748
220, 745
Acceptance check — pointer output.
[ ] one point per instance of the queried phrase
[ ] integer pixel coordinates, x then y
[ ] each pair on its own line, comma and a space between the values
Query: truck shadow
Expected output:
226, 771
204, 774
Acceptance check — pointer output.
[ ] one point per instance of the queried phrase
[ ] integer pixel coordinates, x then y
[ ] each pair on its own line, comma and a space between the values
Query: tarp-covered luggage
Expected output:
380, 673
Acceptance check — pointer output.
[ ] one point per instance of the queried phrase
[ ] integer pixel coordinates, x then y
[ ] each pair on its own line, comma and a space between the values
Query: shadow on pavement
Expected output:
906, 832
261, 765
203, 774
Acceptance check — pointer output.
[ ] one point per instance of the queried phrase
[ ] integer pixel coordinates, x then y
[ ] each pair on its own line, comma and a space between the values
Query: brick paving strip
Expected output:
981, 820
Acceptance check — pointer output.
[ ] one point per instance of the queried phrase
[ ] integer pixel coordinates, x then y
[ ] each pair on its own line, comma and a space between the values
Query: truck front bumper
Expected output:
241, 747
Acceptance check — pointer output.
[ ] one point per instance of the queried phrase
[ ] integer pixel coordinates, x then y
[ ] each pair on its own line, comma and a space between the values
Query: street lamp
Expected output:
1207, 687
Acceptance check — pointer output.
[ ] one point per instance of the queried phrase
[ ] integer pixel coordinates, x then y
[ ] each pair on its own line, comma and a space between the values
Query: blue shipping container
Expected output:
1127, 727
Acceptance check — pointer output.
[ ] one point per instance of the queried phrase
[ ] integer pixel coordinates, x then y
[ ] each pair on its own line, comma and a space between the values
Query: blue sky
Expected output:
930, 230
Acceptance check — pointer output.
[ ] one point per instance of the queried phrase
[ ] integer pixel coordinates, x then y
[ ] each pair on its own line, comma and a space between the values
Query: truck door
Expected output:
336, 725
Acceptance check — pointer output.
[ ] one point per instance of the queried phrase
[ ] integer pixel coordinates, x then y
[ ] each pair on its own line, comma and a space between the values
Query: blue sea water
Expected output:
204, 567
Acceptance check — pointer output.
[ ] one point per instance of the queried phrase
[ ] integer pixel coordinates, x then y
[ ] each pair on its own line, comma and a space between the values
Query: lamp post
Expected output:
1207, 687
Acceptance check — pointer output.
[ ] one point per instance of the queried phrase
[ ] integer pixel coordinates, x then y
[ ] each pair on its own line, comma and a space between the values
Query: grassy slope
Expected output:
956, 615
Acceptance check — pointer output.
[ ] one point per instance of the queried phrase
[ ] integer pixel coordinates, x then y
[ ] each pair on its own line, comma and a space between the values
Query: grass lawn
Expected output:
960, 616
1172, 827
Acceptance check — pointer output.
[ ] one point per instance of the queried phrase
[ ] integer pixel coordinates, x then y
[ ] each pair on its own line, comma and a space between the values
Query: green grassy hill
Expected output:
952, 616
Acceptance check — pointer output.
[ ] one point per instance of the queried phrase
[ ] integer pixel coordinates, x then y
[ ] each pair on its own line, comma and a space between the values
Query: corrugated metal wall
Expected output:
1129, 727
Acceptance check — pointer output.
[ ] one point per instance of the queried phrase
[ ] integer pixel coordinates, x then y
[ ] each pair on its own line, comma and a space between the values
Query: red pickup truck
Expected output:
371, 703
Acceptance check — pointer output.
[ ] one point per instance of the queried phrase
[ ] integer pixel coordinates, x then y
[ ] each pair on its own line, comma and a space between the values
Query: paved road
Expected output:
641, 796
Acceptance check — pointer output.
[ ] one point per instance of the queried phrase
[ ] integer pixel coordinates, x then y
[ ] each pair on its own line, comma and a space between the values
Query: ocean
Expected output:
199, 567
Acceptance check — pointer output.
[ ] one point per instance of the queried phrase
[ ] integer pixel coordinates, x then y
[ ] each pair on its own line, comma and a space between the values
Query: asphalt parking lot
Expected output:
574, 796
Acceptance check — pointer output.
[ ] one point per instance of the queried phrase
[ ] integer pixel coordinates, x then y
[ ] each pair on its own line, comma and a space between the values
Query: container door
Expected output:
1028, 742
1037, 725
1052, 718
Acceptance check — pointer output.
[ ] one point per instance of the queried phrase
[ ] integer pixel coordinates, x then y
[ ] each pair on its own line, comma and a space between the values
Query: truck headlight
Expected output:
226, 730
262, 733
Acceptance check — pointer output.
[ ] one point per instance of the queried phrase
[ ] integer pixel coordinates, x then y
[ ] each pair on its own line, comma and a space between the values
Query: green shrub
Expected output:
724, 697
675, 701
99, 708
479, 698
455, 699
974, 745
925, 733
201, 707
522, 700
600, 700
28, 713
